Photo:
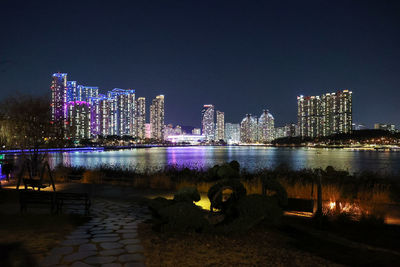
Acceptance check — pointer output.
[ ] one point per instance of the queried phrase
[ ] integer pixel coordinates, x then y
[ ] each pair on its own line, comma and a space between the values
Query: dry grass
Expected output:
262, 248
369, 189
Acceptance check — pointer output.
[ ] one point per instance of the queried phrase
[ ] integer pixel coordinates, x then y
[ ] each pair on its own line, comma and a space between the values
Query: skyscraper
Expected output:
309, 116
71, 91
248, 129
266, 127
84, 93
141, 117
157, 118
99, 116
220, 129
207, 122
59, 98
325, 115
122, 111
232, 133
78, 119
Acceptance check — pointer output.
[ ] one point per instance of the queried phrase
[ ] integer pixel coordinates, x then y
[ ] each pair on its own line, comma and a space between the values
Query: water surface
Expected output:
250, 157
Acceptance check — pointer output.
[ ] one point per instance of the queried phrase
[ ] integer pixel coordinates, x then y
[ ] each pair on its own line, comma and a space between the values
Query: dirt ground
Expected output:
26, 238
257, 248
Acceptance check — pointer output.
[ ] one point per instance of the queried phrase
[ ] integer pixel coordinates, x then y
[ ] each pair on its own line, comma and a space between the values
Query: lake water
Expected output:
250, 157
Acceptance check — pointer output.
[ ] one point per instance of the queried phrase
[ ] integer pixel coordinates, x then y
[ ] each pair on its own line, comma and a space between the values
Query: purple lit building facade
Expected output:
59, 98
84, 113
100, 115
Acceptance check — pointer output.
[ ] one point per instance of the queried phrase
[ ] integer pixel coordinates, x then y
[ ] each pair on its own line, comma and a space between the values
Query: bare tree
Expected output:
25, 122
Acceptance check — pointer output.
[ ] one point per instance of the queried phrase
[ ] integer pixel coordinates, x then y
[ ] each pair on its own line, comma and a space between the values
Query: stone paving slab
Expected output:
108, 239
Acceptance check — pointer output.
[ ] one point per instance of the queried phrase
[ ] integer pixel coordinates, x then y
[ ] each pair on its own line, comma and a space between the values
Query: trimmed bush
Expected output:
253, 210
226, 171
215, 194
155, 205
235, 165
183, 217
271, 187
187, 194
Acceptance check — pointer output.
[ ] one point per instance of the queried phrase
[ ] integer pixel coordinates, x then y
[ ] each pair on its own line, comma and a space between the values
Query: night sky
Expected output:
241, 56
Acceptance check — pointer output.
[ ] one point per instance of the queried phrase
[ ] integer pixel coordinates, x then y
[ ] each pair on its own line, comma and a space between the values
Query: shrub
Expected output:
251, 210
158, 203
271, 187
235, 165
215, 194
187, 194
183, 217
227, 172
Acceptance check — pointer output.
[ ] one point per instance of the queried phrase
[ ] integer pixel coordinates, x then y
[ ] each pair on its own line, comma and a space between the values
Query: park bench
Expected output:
74, 177
34, 183
36, 198
300, 205
72, 200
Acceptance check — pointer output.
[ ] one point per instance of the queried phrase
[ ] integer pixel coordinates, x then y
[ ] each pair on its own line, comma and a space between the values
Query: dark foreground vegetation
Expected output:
243, 228
26, 238
246, 223
359, 193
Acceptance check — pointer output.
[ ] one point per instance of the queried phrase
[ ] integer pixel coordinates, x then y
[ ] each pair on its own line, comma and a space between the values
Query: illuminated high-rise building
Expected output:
78, 119
309, 116
71, 91
148, 130
157, 118
266, 127
84, 93
220, 126
207, 122
99, 116
232, 133
141, 117
325, 115
122, 111
59, 98
248, 129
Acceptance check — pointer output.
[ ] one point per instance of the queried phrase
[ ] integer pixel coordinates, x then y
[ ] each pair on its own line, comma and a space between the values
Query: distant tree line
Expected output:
360, 136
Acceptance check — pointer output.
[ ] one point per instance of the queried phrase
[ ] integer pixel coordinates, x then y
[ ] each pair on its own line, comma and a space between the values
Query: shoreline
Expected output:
386, 148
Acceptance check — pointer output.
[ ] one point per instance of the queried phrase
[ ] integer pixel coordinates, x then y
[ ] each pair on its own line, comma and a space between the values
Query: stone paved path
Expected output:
108, 239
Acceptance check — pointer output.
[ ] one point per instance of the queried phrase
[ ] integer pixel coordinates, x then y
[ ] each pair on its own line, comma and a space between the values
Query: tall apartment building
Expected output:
78, 119
266, 124
157, 118
325, 115
207, 122
249, 129
84, 93
232, 133
122, 112
141, 117
220, 126
71, 91
59, 98
100, 111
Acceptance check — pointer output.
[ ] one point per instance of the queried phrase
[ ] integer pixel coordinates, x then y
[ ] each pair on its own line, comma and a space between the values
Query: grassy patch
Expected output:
26, 238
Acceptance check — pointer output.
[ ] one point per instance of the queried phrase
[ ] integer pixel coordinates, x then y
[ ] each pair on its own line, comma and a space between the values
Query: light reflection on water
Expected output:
250, 157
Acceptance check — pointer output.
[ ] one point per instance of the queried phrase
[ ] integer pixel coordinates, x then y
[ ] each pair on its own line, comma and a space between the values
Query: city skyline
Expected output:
83, 113
190, 51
